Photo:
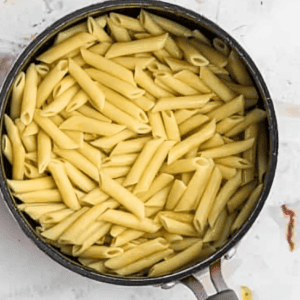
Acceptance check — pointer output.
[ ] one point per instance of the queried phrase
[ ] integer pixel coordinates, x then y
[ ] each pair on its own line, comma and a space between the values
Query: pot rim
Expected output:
195, 18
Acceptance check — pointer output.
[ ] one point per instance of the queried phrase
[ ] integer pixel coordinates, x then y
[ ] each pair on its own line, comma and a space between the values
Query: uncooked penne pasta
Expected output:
120, 34
40, 196
97, 31
90, 112
159, 199
171, 127
157, 125
192, 123
130, 146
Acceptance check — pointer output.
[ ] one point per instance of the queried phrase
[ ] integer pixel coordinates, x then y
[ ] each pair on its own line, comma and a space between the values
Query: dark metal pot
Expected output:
189, 19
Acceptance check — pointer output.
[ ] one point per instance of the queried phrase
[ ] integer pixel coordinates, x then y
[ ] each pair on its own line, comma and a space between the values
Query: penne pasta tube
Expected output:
130, 146
192, 123
120, 34
227, 190
172, 130
193, 141
200, 36
214, 57
103, 64
44, 147
254, 116
183, 102
74, 42
230, 108
126, 22
63, 85
79, 179
146, 82
59, 103
153, 167
94, 197
138, 46
119, 160
95, 94
177, 65
207, 201
110, 141
122, 195
158, 82
157, 125
144, 263
30, 185
58, 136
190, 53
213, 142
55, 216
116, 172
97, 31
40, 196
250, 155
64, 185
29, 95
137, 253
176, 227
142, 161
126, 236
90, 112
101, 252
221, 46
227, 172
228, 123
17, 95
262, 154
238, 70
31, 171
129, 220
78, 161
7, 148
240, 196
182, 115
178, 261
18, 151
246, 91
228, 149
234, 162
131, 62
159, 199
50, 81
209, 106
89, 125
116, 230
247, 209
92, 154
171, 26
216, 84
31, 129
184, 244
196, 186
175, 194
192, 80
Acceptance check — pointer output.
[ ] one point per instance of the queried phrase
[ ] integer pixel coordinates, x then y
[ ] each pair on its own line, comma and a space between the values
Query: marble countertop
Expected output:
268, 30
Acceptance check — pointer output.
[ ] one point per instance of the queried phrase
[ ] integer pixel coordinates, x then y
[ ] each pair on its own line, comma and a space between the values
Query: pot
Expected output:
189, 19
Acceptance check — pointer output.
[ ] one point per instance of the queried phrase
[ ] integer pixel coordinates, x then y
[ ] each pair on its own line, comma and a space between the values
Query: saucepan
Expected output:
193, 21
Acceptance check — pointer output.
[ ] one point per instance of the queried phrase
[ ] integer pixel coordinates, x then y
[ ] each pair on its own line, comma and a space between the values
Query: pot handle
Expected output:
223, 293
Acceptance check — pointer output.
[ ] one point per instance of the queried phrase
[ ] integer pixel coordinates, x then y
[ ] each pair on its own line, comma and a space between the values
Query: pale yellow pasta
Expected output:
63, 85
240, 196
17, 95
79, 99
55, 216
68, 45
178, 261
144, 103
237, 69
196, 33
7, 148
142, 162
262, 153
214, 57
120, 34
228, 123
157, 125
63, 183
90, 112
101, 252
116, 172
30, 185
232, 107
18, 151
58, 136
129, 220
158, 82
137, 253
215, 141
119, 160
228, 149
31, 129
172, 130
94, 197
247, 209
122, 195
192, 123
174, 226
191, 142
111, 141
254, 116
126, 22
40, 196
31, 171
227, 172
207, 201
126, 236
221, 46
116, 230
249, 92
234, 162
159, 199
131, 62
78, 161
216, 84
138, 46
227, 190
97, 31
180, 65
211, 105
185, 243
196, 186
146, 82
183, 102
130, 146
153, 167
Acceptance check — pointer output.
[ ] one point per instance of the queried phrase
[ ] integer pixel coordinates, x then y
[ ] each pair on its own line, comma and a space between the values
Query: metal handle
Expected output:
223, 293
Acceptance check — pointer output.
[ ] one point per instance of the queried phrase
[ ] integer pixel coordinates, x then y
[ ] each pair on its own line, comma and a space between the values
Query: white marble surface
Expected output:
268, 30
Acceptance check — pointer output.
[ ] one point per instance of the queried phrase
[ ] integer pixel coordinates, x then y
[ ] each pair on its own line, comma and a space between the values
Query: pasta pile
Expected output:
136, 144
